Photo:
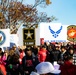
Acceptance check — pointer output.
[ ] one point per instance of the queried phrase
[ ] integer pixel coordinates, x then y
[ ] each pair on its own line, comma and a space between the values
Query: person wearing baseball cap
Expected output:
45, 68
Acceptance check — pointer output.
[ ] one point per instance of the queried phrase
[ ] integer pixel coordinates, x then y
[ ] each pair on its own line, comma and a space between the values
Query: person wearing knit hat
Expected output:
46, 68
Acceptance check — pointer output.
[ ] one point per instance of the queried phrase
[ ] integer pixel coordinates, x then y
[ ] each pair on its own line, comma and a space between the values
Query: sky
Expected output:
63, 10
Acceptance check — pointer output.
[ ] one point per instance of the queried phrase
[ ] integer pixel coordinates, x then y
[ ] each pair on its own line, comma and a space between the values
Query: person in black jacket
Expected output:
13, 65
29, 61
54, 55
62, 55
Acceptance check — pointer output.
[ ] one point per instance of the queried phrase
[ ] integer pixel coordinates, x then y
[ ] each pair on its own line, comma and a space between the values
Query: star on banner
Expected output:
29, 35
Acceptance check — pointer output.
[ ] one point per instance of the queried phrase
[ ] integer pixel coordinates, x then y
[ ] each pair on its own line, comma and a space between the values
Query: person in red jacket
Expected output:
42, 54
22, 54
68, 68
2, 70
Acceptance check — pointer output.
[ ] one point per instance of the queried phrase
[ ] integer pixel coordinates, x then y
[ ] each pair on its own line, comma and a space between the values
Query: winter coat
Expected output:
2, 69
68, 69
29, 62
42, 54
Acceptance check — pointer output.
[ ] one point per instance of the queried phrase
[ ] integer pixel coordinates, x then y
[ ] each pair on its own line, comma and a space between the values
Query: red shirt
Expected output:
3, 69
22, 54
42, 55
68, 69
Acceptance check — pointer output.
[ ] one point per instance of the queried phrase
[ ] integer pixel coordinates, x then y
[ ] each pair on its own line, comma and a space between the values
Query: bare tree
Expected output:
14, 13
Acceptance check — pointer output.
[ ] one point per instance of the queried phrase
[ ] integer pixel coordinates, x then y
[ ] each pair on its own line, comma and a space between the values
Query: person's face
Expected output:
71, 51
71, 60
43, 48
57, 48
0, 56
63, 49
14, 48
29, 52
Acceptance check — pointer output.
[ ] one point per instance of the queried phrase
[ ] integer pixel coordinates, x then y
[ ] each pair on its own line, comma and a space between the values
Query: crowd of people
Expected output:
39, 60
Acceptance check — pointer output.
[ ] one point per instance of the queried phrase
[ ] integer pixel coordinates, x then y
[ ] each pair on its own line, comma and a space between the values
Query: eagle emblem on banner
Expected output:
55, 34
